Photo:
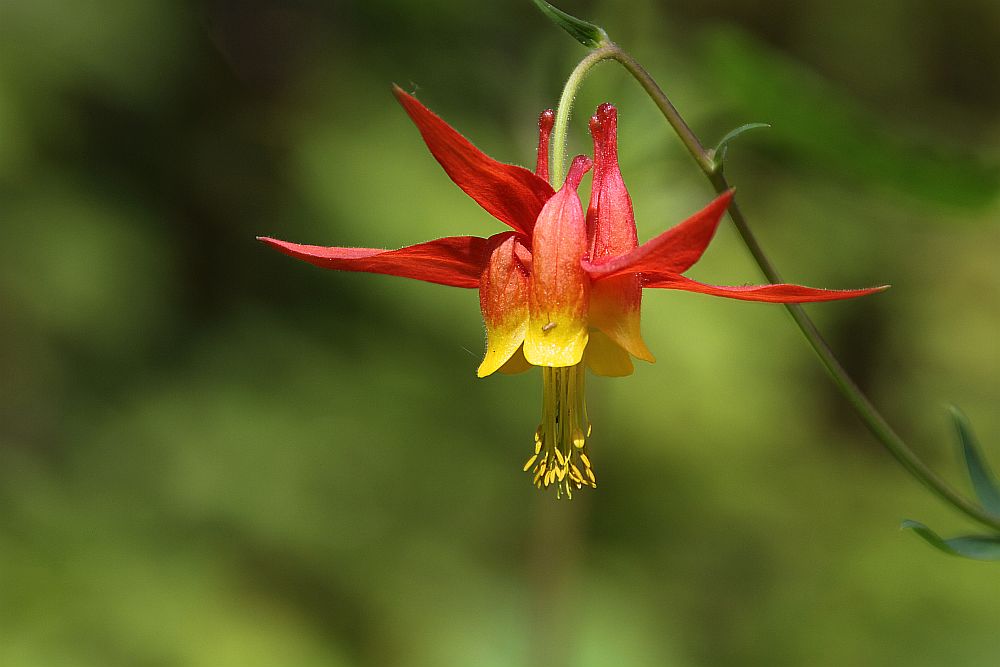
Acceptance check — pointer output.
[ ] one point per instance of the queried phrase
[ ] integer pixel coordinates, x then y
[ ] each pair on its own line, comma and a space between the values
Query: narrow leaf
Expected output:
976, 547
586, 33
984, 482
720, 149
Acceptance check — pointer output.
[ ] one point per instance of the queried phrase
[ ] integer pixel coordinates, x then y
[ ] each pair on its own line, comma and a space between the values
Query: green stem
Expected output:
666, 107
877, 424
862, 405
565, 108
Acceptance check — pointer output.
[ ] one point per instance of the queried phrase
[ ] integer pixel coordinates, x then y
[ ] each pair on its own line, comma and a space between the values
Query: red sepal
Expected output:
780, 293
511, 194
672, 252
456, 261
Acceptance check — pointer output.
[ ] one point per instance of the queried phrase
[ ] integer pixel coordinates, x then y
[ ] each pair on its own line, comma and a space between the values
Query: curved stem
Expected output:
565, 108
669, 111
862, 405
875, 422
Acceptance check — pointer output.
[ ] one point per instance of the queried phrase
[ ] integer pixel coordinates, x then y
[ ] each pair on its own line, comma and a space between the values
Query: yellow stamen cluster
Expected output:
560, 457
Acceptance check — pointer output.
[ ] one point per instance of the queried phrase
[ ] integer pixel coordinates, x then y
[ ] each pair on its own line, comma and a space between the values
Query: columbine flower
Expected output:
562, 290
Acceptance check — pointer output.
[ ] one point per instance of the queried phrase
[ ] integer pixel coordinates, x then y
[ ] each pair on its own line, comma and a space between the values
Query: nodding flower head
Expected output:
561, 288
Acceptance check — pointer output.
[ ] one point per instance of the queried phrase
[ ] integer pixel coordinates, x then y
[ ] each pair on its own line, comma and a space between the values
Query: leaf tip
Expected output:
590, 35
718, 154
984, 481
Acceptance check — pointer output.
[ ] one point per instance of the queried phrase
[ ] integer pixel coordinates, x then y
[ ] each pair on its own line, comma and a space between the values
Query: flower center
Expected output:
560, 457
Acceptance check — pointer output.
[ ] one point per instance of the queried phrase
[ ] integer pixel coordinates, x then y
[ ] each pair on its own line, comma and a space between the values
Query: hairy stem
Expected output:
565, 108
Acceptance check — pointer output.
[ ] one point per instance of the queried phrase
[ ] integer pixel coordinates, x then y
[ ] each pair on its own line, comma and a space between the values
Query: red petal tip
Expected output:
604, 130
278, 244
546, 120
721, 203
511, 194
581, 165
607, 123
403, 97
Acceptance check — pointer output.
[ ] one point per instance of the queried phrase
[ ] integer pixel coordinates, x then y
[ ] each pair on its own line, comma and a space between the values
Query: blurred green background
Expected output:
213, 455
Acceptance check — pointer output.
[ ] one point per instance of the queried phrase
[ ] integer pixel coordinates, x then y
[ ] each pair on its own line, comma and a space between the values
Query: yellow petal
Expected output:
502, 344
605, 357
516, 364
503, 298
614, 309
555, 340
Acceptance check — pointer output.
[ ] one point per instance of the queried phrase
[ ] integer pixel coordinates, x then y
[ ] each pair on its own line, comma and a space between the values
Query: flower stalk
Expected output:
713, 170
565, 107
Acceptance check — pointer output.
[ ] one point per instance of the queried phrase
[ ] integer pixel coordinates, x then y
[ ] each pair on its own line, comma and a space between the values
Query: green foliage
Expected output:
719, 152
984, 482
976, 547
824, 125
588, 34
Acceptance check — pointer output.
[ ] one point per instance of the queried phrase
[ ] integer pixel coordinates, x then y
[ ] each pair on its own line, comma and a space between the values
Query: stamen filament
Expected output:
560, 457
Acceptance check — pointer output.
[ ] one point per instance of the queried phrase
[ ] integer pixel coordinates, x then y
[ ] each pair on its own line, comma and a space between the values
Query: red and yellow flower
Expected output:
562, 289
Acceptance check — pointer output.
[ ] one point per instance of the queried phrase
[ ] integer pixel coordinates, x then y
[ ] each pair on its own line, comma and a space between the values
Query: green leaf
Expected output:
976, 547
984, 482
719, 152
588, 34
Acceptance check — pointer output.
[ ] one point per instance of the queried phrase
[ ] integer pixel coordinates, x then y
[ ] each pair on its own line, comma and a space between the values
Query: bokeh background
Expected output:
212, 455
